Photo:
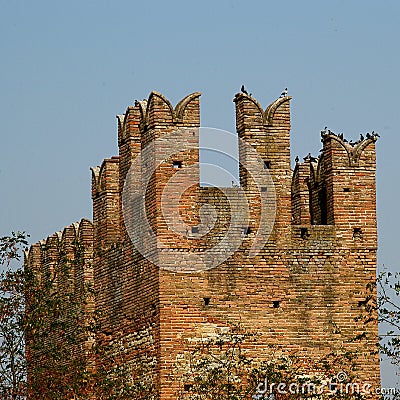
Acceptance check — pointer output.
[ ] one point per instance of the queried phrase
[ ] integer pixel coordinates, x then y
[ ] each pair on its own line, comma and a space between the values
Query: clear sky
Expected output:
67, 68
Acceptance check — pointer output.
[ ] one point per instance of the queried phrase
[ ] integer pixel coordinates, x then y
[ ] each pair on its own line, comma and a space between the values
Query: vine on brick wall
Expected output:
47, 337
224, 368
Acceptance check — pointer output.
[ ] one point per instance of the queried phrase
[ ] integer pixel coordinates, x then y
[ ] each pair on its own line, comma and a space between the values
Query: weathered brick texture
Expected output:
317, 262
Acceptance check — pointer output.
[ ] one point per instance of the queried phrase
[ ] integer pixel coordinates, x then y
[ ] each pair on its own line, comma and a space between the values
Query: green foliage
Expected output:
389, 314
56, 334
118, 378
382, 304
229, 366
48, 321
12, 321
47, 336
121, 375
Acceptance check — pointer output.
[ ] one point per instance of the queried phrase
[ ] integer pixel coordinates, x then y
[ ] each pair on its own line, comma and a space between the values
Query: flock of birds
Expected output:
324, 132
368, 135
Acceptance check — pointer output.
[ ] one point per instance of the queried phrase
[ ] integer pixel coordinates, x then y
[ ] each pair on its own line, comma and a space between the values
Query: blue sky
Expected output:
67, 68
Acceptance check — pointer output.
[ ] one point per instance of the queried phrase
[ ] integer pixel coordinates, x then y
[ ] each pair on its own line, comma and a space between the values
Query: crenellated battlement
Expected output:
251, 114
159, 111
64, 252
155, 111
63, 240
311, 194
105, 177
354, 150
193, 260
338, 187
128, 125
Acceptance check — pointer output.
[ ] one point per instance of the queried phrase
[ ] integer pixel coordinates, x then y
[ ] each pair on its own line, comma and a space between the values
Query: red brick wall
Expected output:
317, 266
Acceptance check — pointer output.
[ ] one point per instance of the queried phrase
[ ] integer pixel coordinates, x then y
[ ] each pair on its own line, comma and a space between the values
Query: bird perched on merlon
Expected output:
243, 90
307, 157
284, 93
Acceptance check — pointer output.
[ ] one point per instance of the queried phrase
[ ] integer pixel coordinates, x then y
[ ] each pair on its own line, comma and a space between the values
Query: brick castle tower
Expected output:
302, 288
